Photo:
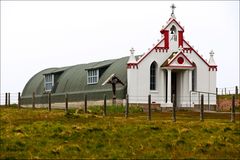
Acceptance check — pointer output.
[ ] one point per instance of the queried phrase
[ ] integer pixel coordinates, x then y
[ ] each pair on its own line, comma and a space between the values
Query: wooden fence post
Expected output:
19, 100
33, 100
49, 101
85, 103
66, 102
202, 108
174, 109
105, 105
9, 101
236, 91
233, 109
6, 99
149, 108
127, 106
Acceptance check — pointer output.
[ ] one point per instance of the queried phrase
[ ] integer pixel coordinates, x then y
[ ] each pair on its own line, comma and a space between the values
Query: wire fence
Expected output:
228, 90
181, 101
148, 107
4, 97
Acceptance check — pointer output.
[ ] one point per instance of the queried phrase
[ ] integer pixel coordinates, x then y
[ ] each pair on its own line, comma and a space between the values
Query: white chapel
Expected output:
171, 67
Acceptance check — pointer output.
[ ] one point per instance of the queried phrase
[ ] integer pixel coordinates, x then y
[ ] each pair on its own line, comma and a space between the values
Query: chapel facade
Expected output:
171, 68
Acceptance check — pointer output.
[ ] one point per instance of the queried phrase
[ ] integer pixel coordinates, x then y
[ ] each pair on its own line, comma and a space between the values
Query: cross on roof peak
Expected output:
172, 7
132, 50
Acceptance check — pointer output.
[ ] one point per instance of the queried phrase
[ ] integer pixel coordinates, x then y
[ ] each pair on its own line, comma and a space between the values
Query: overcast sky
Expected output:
40, 34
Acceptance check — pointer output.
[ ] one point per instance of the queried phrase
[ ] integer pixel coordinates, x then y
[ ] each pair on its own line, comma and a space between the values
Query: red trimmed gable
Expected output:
178, 60
170, 22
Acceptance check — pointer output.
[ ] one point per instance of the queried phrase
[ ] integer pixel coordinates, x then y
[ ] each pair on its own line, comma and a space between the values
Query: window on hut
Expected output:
92, 76
49, 82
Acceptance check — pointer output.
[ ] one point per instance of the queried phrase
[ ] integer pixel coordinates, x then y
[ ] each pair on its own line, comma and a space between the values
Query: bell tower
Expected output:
172, 32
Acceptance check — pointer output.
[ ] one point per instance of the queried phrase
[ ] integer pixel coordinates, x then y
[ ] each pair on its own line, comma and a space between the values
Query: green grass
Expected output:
28, 133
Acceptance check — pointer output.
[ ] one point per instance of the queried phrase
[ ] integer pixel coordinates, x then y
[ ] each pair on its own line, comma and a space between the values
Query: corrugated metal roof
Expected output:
101, 64
74, 78
62, 69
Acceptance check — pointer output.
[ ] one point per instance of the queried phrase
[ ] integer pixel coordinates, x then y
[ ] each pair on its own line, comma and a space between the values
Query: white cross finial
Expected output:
132, 50
172, 14
211, 53
173, 7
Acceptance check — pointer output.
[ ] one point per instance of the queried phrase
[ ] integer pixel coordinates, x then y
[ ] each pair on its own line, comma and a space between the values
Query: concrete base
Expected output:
206, 107
167, 105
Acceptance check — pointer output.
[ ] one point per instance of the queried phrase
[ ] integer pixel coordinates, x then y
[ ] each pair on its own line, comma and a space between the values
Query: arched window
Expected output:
173, 30
153, 76
193, 80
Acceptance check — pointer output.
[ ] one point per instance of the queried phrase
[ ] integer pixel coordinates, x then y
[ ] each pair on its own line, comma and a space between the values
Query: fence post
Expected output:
174, 109
199, 98
127, 105
149, 108
19, 100
236, 91
6, 99
49, 101
105, 105
9, 101
233, 109
85, 103
202, 108
33, 100
225, 91
66, 102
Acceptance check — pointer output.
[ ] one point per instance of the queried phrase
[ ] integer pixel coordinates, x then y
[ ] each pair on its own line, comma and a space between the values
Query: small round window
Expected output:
180, 60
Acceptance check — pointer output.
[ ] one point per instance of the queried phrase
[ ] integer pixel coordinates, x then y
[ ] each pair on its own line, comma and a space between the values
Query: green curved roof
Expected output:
74, 78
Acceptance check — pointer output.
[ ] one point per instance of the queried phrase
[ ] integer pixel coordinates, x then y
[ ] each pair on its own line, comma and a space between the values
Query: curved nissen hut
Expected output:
77, 81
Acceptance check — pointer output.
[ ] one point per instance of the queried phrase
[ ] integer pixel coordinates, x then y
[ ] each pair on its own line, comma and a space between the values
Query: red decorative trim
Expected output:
132, 65
166, 39
140, 60
199, 55
173, 20
161, 49
180, 38
213, 68
187, 50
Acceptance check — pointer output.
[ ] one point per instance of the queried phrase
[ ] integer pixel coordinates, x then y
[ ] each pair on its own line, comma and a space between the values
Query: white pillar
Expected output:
162, 86
190, 80
169, 89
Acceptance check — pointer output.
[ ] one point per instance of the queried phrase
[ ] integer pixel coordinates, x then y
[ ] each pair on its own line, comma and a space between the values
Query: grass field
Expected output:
34, 134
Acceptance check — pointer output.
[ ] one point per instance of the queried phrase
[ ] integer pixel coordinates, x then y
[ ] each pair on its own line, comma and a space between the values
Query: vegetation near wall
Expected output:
38, 133
225, 103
